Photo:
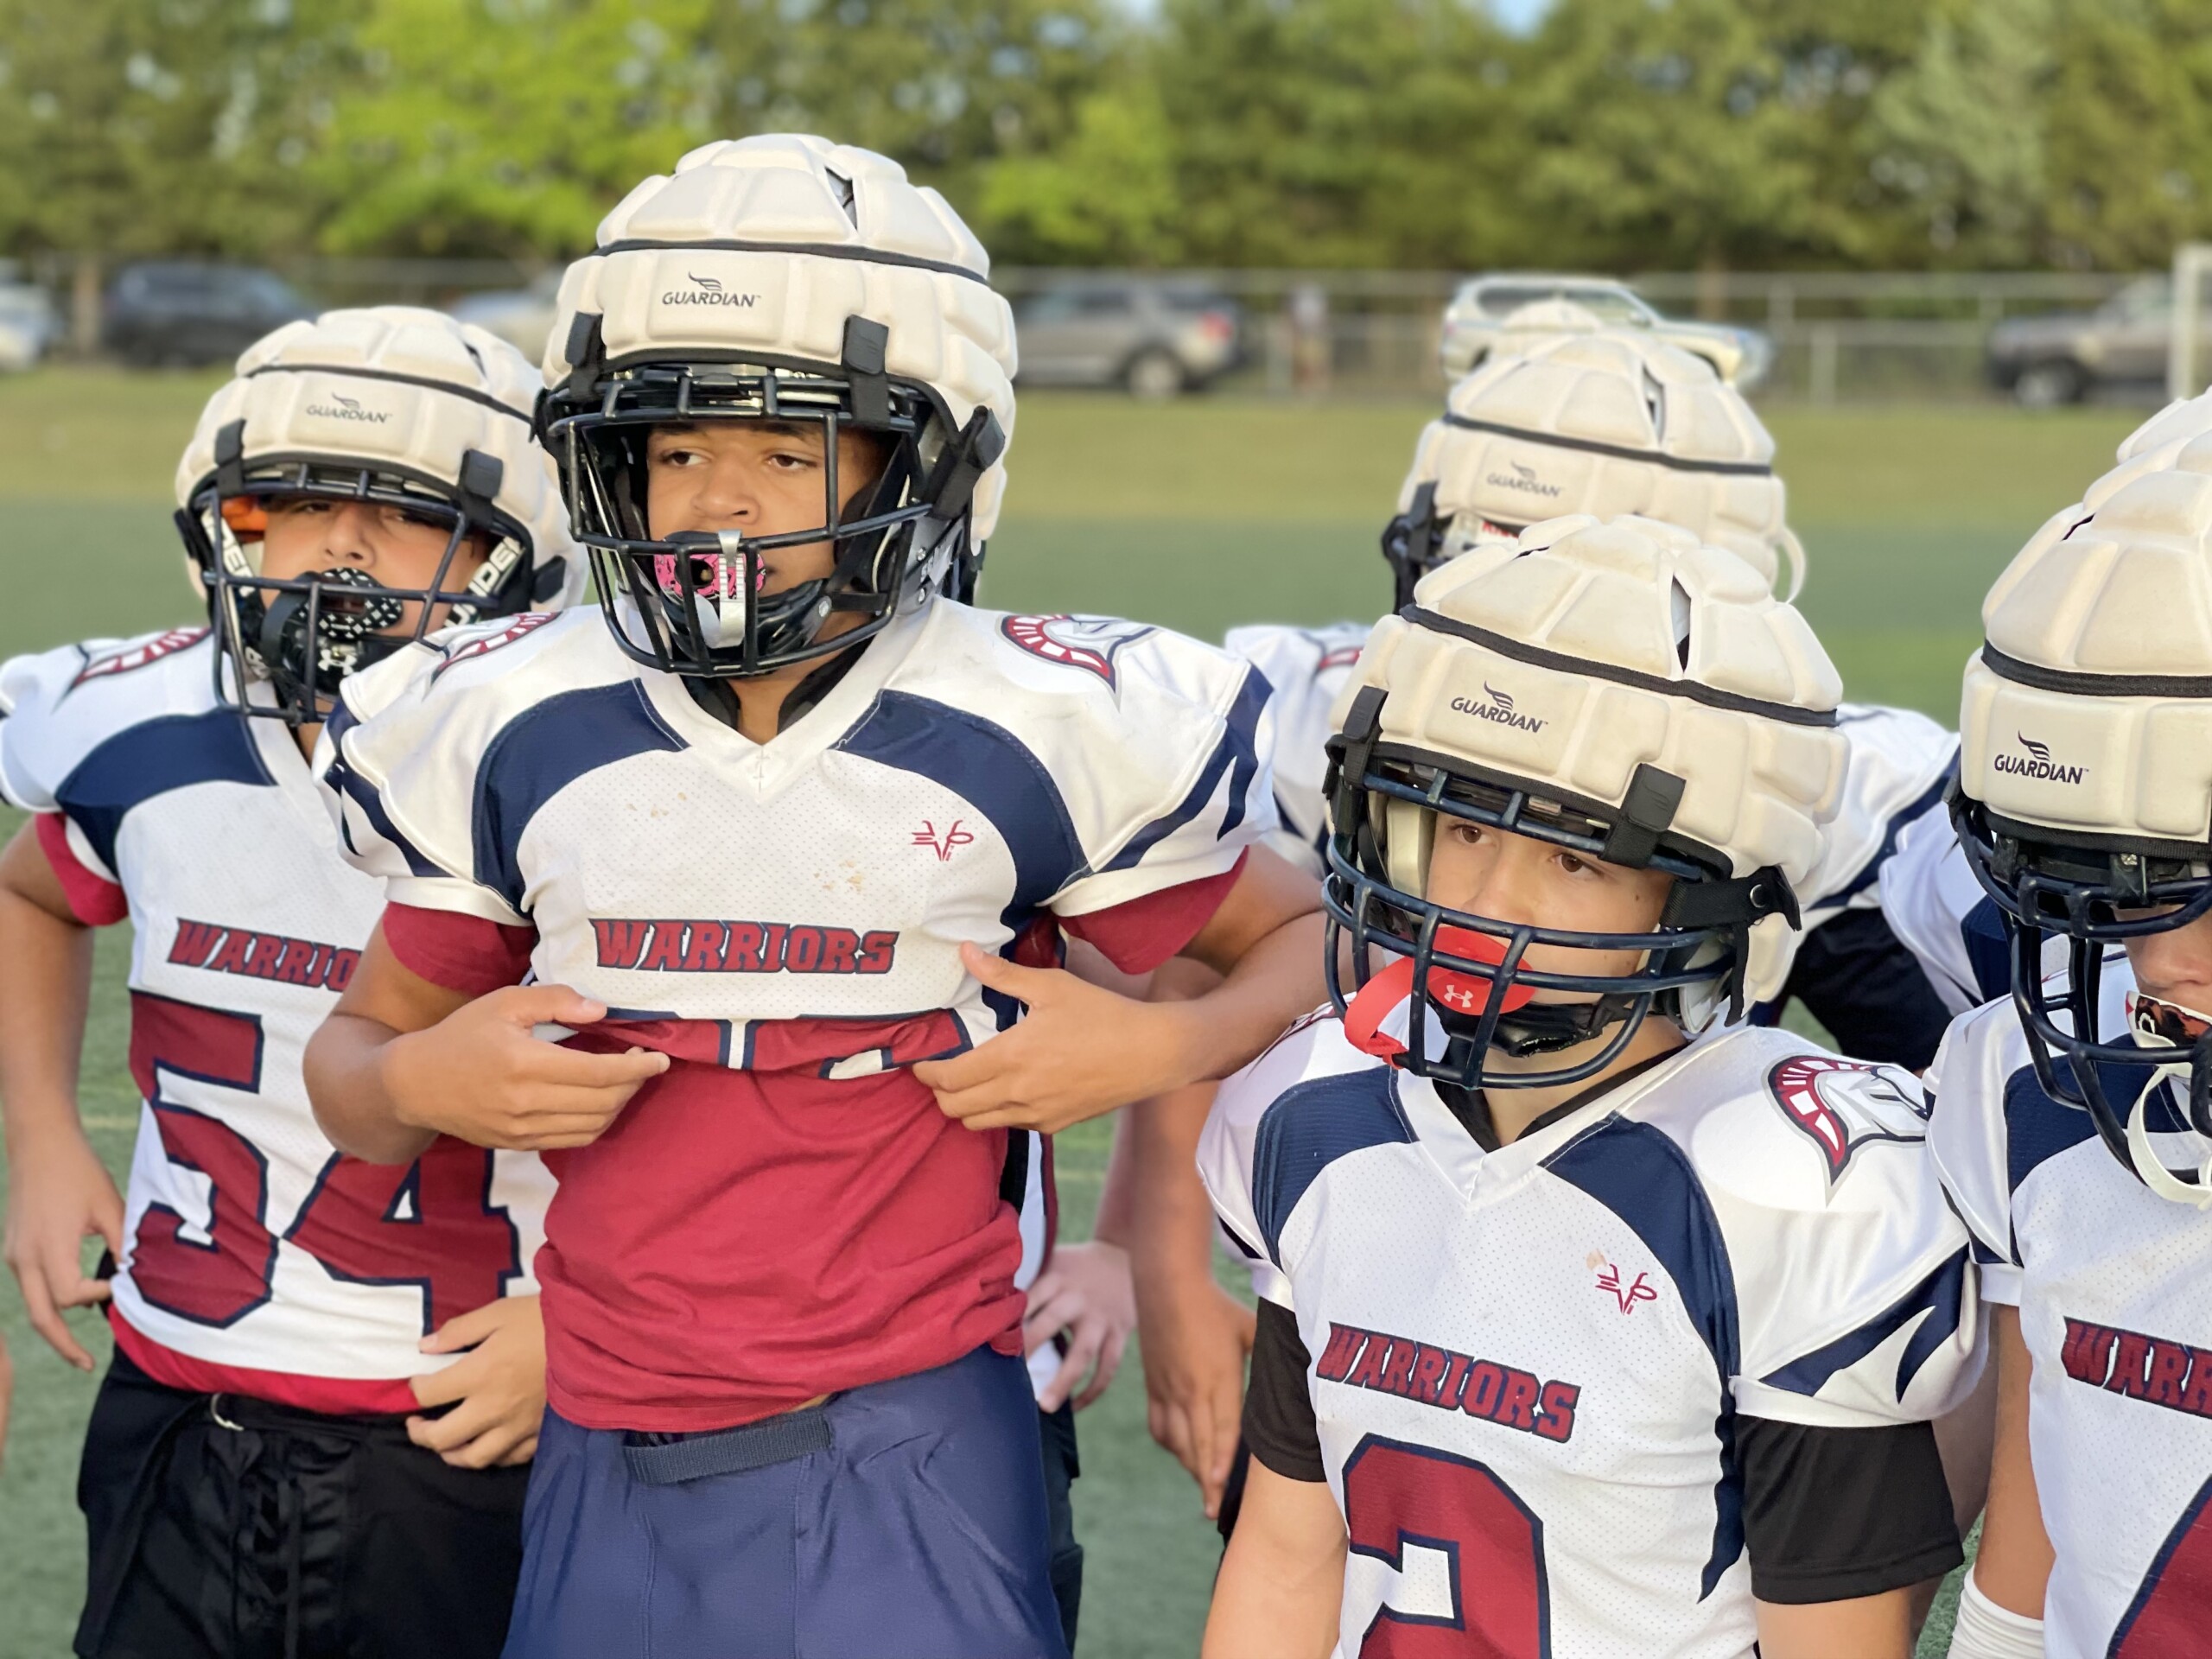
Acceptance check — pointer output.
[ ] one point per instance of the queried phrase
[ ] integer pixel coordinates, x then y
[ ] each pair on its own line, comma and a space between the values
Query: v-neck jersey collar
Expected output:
1463, 1160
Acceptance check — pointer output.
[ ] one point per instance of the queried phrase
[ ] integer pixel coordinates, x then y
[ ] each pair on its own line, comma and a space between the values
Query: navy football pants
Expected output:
919, 1531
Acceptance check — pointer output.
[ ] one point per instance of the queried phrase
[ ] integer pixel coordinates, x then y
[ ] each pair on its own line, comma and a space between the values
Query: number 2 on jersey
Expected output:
431, 1224
1397, 1494
2173, 1606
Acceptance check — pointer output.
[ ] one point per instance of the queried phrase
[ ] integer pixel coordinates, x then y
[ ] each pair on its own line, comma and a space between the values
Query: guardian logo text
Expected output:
349, 409
1496, 706
2037, 764
1523, 479
708, 290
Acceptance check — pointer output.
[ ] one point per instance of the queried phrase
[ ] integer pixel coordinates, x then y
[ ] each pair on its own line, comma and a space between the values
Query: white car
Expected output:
28, 324
1478, 311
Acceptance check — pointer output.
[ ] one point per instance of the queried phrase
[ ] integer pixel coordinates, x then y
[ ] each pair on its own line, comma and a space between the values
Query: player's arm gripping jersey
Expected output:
257, 1260
784, 920
1553, 1358
2112, 1282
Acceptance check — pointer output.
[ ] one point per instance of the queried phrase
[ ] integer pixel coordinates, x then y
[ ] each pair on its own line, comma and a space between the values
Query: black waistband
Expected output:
669, 1460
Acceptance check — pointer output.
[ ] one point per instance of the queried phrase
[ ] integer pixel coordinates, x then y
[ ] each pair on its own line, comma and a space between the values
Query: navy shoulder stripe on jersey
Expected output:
152, 758
1982, 930
1871, 870
2037, 1127
342, 777
1941, 1296
1638, 1172
994, 771
540, 752
1309, 1127
1237, 754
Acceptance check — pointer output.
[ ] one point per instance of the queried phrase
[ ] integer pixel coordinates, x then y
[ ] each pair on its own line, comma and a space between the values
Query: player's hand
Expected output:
1195, 1340
58, 1195
480, 1076
499, 1384
1085, 1290
1080, 1051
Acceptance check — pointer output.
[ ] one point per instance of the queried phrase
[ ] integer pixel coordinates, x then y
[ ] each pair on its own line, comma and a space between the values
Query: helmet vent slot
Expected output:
843, 187
1655, 405
1679, 603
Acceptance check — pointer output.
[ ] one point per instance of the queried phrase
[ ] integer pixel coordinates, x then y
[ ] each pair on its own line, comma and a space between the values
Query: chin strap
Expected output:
2158, 1024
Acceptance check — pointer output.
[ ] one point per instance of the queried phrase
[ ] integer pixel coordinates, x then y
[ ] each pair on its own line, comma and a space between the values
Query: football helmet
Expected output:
2084, 799
392, 405
1617, 689
781, 279
1569, 416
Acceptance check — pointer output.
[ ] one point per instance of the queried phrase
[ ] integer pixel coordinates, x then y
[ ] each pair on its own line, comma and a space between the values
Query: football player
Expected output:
1567, 417
1594, 1319
327, 1374
1929, 892
2073, 1127
787, 836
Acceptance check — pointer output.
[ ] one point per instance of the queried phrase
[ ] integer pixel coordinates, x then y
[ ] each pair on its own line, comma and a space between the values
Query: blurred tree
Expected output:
1708, 133
1954, 142
2128, 132
157, 126
1107, 196
511, 126
1342, 132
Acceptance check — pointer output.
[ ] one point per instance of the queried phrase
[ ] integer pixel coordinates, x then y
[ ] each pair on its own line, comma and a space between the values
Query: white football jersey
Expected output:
1528, 1365
970, 776
2115, 1289
1938, 911
250, 1241
1306, 668
1900, 762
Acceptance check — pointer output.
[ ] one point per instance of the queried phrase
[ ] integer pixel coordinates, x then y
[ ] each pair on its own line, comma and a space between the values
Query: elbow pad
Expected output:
1985, 1631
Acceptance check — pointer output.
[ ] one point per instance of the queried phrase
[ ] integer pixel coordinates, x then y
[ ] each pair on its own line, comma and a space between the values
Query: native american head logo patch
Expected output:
1842, 1105
1090, 643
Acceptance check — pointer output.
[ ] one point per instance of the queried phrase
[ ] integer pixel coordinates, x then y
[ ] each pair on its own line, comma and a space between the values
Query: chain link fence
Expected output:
1834, 337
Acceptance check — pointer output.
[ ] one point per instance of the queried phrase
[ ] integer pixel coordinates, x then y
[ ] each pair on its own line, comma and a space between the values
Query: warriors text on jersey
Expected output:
1530, 1365
785, 1212
255, 1260
2114, 1287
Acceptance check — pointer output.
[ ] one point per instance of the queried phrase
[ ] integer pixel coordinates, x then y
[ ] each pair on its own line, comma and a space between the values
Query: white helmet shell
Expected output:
1601, 647
404, 390
2089, 708
1569, 416
763, 248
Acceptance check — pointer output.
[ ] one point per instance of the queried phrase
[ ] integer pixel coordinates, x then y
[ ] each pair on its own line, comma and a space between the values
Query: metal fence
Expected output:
1838, 337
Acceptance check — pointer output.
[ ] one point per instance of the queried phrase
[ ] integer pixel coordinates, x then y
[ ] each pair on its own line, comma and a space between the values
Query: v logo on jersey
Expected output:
927, 836
1609, 1278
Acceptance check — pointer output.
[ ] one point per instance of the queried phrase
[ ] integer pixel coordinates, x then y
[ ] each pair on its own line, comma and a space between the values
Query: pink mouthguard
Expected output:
714, 576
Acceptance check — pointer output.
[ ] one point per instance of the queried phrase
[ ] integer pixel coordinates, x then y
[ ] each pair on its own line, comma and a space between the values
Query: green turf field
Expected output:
1199, 515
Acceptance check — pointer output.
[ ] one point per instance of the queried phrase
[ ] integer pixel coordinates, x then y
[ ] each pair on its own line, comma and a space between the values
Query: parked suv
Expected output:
1478, 313
2061, 357
1156, 339
180, 313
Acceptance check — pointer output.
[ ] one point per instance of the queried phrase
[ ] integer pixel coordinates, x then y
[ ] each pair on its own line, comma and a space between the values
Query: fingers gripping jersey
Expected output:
786, 920
2115, 1289
250, 1243
1529, 1364
1304, 668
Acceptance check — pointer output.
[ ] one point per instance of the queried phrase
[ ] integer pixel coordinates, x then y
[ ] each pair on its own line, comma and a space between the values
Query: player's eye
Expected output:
1573, 864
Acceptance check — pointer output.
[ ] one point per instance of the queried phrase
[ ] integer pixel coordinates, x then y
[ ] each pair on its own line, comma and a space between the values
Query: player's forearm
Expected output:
1867, 1627
46, 976
1267, 987
2014, 1562
347, 1069
1169, 1226
1281, 1582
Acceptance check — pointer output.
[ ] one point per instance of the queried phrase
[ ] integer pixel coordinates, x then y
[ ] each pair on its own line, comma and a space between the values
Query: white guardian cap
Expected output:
781, 279
1569, 416
391, 405
1615, 688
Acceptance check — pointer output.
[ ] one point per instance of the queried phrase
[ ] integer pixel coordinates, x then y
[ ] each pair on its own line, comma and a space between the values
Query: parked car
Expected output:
1478, 312
1156, 339
2062, 357
179, 311
521, 316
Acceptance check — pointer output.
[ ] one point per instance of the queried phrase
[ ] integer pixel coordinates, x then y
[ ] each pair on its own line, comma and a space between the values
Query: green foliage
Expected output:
1619, 134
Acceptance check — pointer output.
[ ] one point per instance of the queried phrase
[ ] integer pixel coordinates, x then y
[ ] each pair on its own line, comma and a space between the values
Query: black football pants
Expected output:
222, 1528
